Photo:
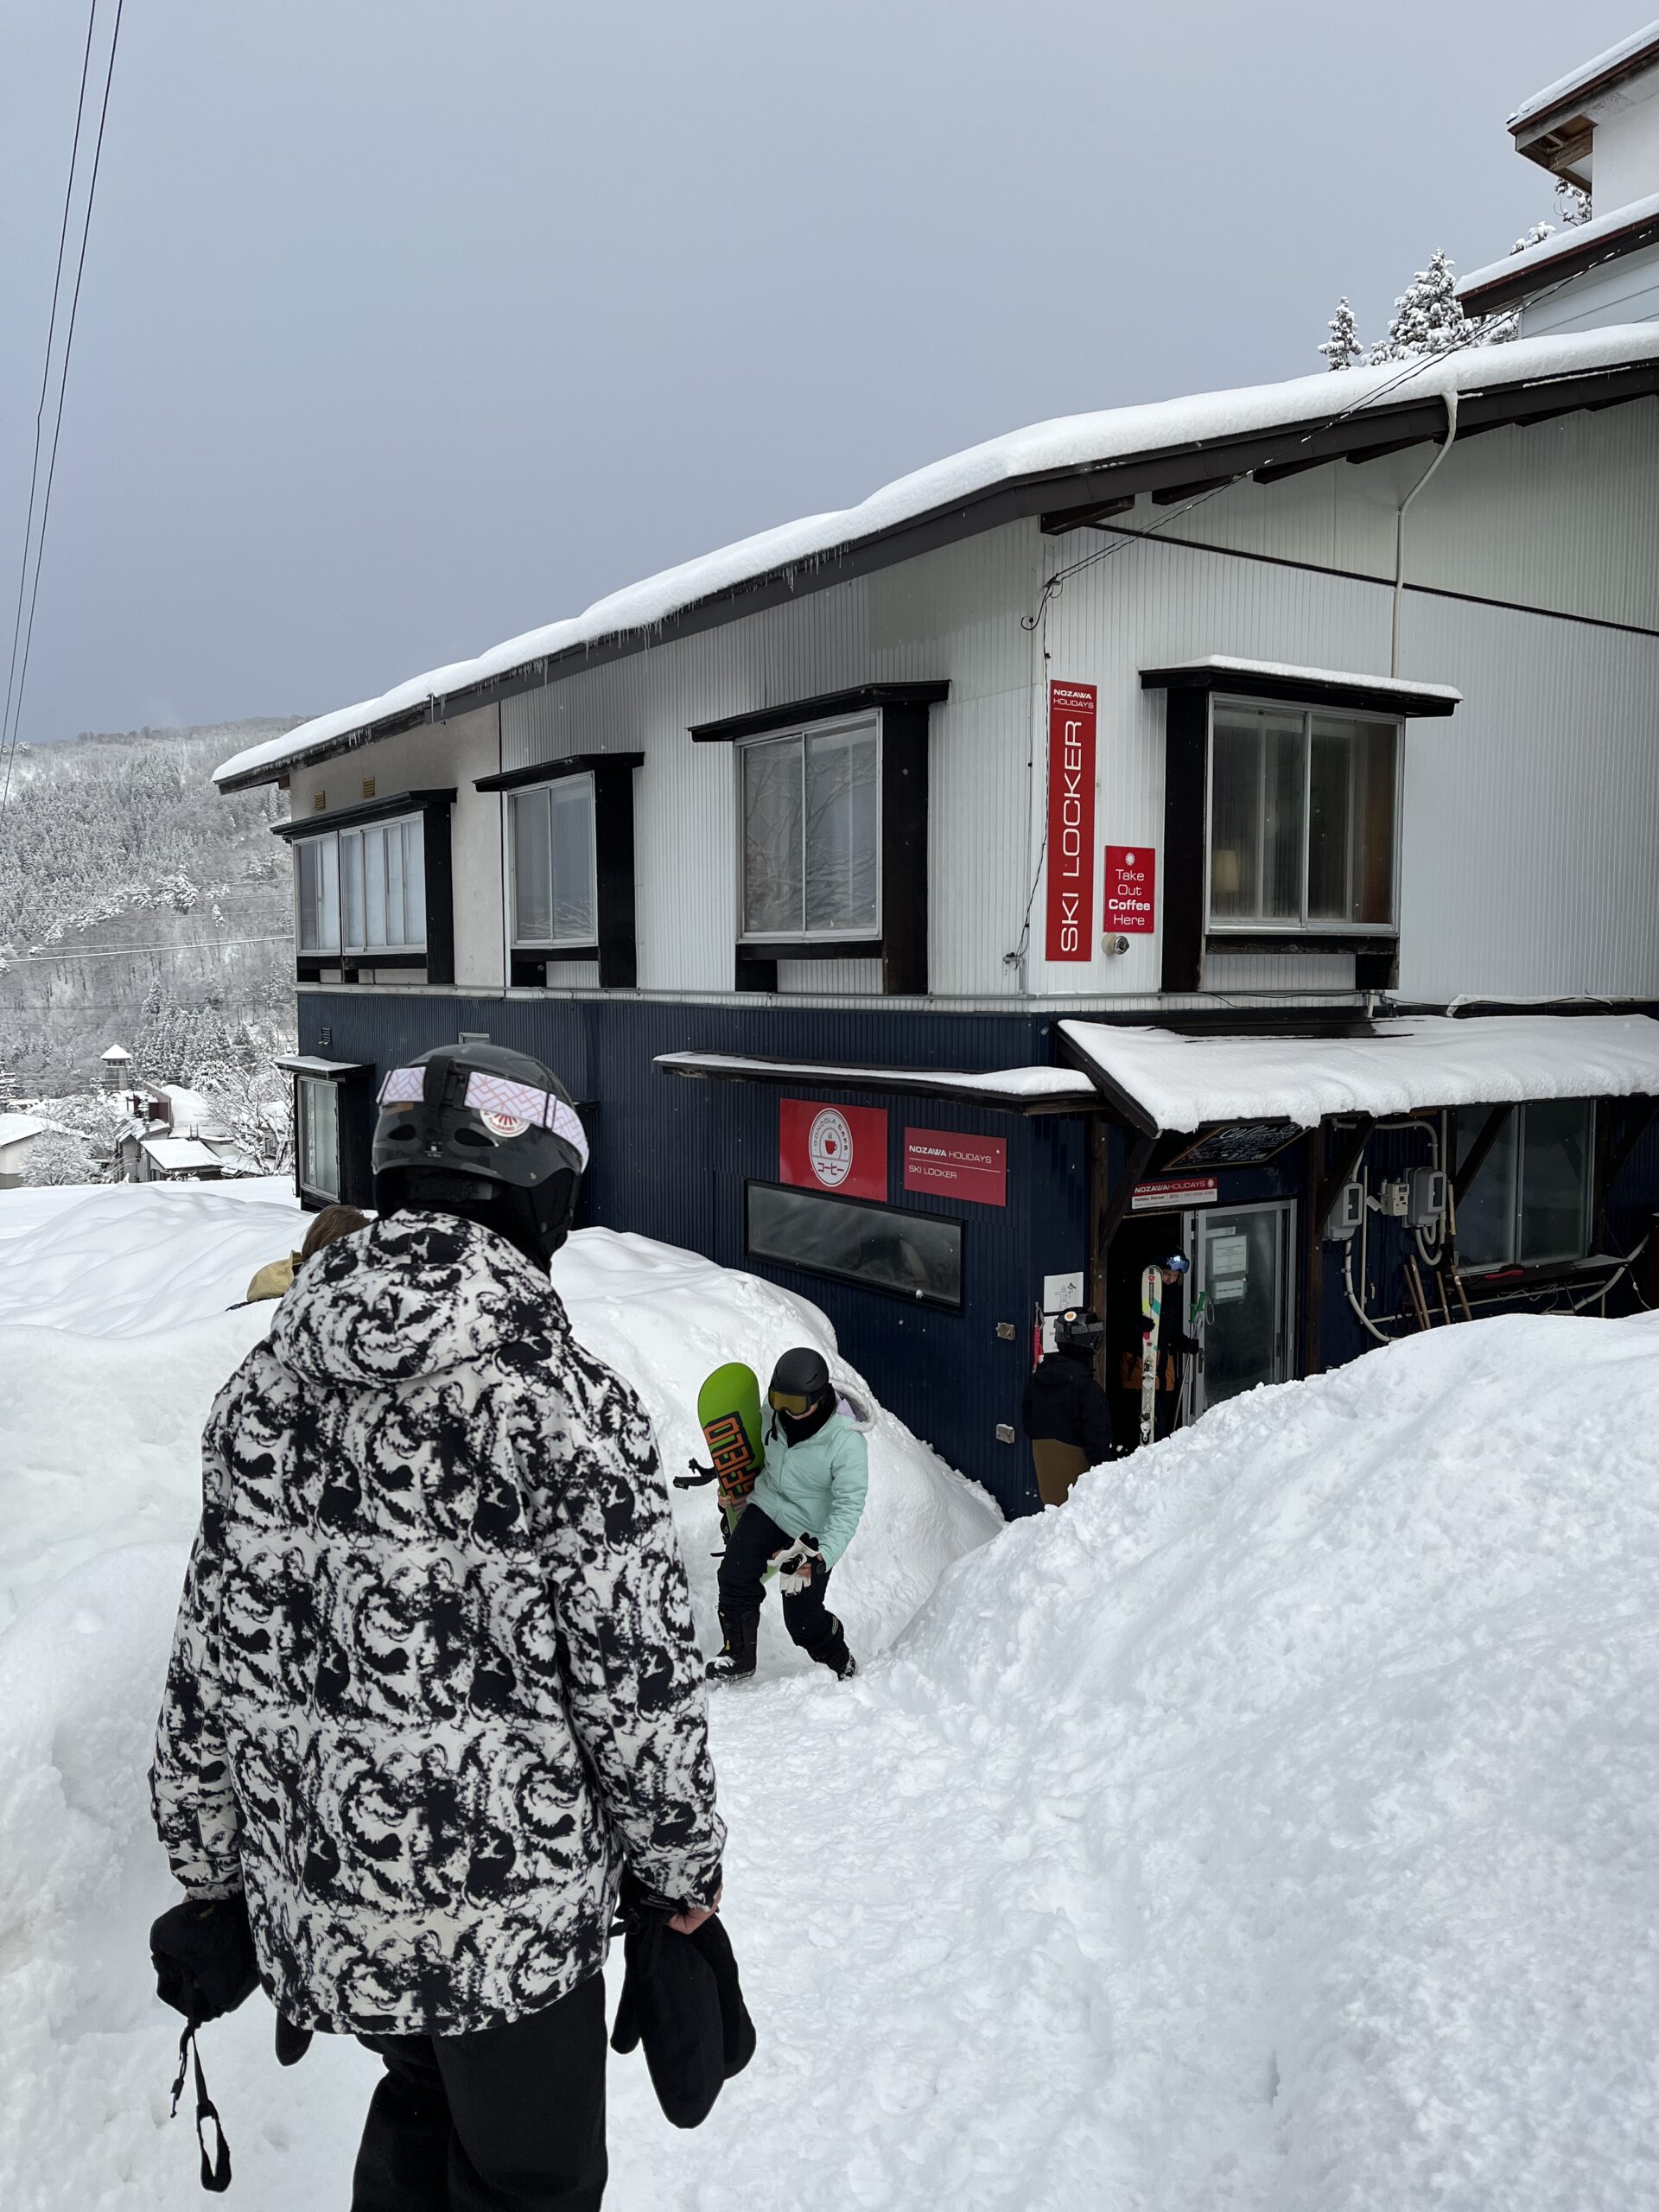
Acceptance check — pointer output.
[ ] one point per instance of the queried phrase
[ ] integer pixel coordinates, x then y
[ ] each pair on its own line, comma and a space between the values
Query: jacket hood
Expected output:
412, 1295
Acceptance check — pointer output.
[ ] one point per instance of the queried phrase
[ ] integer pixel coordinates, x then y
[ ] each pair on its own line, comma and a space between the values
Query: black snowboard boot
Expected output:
736, 1660
832, 1652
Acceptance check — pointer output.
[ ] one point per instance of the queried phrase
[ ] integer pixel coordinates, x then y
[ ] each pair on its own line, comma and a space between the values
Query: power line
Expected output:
121, 952
17, 704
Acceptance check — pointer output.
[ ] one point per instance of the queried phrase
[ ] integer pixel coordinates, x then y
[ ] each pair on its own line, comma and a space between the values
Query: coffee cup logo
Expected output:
830, 1147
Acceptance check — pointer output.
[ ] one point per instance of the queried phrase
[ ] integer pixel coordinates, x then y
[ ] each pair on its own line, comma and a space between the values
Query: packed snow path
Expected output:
1271, 1828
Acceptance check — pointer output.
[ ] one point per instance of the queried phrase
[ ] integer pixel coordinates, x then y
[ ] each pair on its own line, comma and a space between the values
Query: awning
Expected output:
1003, 1090
1159, 1080
1315, 686
326, 1070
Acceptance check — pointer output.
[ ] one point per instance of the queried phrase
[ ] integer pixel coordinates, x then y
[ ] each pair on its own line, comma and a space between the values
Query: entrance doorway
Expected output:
1244, 1264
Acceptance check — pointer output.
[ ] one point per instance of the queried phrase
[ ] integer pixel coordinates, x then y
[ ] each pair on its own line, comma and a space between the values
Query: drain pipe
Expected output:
1441, 451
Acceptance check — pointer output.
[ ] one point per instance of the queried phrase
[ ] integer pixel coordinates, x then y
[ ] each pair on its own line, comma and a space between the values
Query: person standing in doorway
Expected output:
800, 1518
434, 1685
1067, 1415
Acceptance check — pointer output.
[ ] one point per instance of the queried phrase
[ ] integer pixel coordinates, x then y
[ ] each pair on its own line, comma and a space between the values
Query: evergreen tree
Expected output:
1427, 319
1342, 349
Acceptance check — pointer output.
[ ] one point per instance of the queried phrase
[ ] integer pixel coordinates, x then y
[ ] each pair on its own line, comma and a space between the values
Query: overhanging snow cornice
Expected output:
1063, 498
1000, 1090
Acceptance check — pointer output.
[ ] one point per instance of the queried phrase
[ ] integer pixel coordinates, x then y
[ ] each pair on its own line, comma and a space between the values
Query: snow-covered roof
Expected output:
1439, 698
189, 1113
309, 1063
180, 1155
14, 1127
1579, 242
114, 1052
1182, 1083
1019, 1090
1068, 444
1617, 61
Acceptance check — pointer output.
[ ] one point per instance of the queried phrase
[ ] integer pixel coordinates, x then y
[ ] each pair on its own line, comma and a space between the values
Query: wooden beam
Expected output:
1062, 519
1171, 495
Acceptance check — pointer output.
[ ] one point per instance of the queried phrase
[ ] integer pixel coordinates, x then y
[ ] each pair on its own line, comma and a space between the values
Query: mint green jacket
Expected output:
817, 1488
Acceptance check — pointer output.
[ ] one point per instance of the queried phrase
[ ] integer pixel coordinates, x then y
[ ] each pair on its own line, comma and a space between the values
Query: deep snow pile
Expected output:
1271, 1828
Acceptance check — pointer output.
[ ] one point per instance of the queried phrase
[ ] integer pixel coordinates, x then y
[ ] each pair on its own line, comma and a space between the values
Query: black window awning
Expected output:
1000, 1091
1306, 687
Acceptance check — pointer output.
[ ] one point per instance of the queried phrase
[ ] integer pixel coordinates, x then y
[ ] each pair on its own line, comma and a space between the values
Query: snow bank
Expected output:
132, 1259
1272, 1827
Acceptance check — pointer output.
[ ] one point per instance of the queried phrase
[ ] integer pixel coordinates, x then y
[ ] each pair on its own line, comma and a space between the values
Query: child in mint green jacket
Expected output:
799, 1519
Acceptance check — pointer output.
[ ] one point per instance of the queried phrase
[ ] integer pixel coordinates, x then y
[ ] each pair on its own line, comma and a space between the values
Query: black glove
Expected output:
681, 1999
203, 1956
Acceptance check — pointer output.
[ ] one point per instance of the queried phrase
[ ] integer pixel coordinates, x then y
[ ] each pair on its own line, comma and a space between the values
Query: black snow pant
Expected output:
502, 2120
742, 1585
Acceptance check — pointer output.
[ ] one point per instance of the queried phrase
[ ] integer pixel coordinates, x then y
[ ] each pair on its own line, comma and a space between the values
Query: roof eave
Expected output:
1055, 495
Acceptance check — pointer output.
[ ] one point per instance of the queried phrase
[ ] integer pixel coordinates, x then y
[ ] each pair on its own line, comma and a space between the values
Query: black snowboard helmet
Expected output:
800, 1382
485, 1133
1077, 1330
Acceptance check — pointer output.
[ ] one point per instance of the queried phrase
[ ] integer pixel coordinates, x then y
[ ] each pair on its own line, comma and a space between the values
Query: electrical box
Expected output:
1347, 1214
1393, 1200
1426, 1198
1005, 1431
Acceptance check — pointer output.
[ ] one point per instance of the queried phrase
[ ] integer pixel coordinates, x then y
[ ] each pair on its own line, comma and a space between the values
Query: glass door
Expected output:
1243, 1268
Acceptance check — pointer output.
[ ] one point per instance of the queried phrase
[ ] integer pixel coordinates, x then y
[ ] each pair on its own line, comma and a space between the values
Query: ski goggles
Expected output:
495, 1095
791, 1403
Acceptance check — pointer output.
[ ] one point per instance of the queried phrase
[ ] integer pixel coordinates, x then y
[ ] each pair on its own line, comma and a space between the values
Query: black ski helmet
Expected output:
478, 1130
1077, 1330
799, 1382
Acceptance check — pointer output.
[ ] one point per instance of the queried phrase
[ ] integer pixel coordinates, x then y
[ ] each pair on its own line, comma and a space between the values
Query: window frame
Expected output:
563, 948
1302, 924
435, 953
365, 954
306, 1088
1511, 1263
863, 936
935, 1304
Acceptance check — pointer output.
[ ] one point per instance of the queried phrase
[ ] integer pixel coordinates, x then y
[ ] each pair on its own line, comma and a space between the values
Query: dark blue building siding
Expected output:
671, 1157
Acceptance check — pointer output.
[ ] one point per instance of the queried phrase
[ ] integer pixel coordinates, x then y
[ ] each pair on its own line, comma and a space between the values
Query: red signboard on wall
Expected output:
1129, 902
841, 1149
948, 1165
1070, 821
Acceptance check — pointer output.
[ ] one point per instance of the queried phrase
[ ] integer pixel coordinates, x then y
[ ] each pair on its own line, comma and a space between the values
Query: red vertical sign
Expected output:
1070, 821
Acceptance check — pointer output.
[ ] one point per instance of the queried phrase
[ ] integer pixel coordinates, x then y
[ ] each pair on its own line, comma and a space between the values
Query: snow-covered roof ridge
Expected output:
1064, 443
1560, 245
1587, 74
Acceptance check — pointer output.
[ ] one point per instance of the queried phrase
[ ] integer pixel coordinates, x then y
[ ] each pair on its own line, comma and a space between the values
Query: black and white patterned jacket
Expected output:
434, 1679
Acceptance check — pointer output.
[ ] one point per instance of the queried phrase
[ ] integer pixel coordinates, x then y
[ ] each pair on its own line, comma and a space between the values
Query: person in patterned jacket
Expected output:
435, 1683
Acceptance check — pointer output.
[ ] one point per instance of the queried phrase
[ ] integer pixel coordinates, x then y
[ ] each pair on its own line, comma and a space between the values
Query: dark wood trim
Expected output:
1308, 689
1062, 519
440, 897
1311, 1349
1117, 1100
619, 959
809, 947
904, 849
353, 817
1491, 1129
1355, 941
1186, 766
551, 772
1199, 488
1109, 1219
760, 720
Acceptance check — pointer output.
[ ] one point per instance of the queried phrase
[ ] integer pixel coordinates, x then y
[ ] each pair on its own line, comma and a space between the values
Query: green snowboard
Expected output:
729, 1413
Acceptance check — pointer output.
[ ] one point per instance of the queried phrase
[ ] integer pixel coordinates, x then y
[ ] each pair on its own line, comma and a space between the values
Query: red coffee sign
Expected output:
948, 1165
1130, 900
843, 1149
1070, 821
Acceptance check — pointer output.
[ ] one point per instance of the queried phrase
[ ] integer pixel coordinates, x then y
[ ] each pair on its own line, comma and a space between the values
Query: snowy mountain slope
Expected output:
1270, 1828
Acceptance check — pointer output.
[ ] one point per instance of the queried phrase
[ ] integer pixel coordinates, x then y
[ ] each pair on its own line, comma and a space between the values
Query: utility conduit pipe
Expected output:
1422, 484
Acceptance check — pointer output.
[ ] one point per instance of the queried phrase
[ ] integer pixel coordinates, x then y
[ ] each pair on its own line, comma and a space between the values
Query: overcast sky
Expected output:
407, 327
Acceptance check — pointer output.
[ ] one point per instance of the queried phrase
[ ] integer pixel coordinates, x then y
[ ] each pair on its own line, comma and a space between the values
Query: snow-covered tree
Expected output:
1342, 349
1573, 206
1427, 318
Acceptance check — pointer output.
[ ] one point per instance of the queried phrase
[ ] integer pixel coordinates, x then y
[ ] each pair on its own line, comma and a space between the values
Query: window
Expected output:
555, 898
1530, 1202
1302, 808
319, 1137
364, 891
917, 1255
811, 833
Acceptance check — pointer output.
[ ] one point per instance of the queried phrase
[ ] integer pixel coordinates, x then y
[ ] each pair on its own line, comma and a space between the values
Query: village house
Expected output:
1224, 825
